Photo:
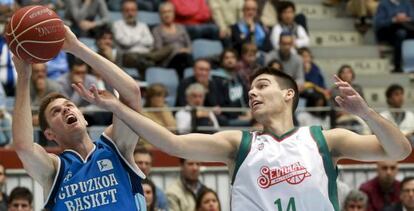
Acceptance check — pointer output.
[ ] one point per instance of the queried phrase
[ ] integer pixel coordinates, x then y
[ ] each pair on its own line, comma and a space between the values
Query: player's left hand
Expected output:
349, 99
101, 98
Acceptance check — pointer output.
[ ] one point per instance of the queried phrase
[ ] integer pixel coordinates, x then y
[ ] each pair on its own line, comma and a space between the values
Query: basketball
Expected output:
35, 34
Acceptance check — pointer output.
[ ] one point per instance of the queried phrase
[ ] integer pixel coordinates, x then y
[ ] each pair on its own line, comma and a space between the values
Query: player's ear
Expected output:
49, 134
289, 94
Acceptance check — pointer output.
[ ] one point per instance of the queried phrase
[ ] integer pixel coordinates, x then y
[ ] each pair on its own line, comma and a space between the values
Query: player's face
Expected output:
190, 170
266, 97
407, 195
355, 206
144, 162
209, 203
63, 116
19, 205
387, 171
148, 193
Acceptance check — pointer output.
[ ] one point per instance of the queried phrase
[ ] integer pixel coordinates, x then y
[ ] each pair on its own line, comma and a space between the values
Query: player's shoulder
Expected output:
233, 136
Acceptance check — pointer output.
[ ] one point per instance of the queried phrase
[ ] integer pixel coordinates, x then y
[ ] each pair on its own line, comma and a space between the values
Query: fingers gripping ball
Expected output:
35, 34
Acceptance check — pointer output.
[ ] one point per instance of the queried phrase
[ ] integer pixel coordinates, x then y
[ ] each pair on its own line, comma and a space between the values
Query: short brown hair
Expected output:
20, 193
43, 105
285, 82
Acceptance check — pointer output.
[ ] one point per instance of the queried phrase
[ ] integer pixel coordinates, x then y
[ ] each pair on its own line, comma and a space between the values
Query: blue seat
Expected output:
166, 76
188, 72
115, 16
206, 48
88, 42
150, 18
408, 55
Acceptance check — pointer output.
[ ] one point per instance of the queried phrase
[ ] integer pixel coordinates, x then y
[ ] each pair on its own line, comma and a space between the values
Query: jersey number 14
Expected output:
291, 206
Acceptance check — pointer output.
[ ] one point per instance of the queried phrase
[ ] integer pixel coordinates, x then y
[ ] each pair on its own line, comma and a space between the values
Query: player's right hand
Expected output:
71, 42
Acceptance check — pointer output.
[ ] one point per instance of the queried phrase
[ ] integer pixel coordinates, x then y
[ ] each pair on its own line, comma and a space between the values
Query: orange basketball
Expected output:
35, 34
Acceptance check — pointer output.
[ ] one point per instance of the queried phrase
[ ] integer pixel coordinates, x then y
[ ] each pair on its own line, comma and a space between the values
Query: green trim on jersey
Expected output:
283, 136
330, 169
244, 149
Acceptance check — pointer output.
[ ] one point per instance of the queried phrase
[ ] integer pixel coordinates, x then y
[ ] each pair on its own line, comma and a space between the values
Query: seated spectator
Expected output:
58, 66
384, 189
47, 3
78, 74
6, 11
40, 85
143, 158
196, 16
214, 85
249, 30
171, 34
3, 195
226, 13
135, 41
347, 74
249, 62
20, 199
287, 24
183, 192
394, 24
406, 196
237, 95
402, 119
195, 94
150, 195
5, 129
105, 44
292, 63
355, 201
155, 98
307, 118
81, 15
363, 11
343, 191
208, 200
314, 80
8, 75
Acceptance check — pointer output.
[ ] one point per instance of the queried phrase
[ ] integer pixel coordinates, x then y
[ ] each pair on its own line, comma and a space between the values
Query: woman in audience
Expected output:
208, 200
169, 33
149, 193
155, 98
347, 74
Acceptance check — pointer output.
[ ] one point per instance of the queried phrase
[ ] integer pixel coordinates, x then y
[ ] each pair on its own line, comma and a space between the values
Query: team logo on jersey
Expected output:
292, 174
67, 177
105, 165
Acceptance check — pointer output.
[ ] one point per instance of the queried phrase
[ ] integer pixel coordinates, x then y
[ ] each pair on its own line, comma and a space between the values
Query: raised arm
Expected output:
40, 165
387, 143
219, 147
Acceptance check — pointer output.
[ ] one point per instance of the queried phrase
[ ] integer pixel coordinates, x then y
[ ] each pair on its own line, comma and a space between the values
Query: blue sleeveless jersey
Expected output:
104, 181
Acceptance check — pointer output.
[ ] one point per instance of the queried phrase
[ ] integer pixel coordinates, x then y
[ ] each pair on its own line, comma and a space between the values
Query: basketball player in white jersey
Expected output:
281, 168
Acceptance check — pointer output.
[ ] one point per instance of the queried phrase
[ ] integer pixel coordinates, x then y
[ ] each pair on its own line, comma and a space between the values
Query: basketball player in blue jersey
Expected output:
88, 175
281, 168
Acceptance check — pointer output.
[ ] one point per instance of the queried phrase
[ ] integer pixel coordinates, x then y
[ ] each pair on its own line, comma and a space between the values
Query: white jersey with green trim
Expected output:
293, 172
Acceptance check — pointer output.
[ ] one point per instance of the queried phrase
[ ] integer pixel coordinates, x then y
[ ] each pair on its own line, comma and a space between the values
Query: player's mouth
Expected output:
256, 103
71, 119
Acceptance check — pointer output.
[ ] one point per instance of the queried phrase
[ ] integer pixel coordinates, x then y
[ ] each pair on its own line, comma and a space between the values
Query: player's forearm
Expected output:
394, 142
22, 127
112, 74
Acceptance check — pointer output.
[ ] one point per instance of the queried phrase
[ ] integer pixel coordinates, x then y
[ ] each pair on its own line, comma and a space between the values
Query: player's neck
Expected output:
82, 145
279, 127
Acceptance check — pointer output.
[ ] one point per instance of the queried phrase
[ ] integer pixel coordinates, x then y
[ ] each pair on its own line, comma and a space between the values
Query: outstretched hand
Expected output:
349, 99
101, 98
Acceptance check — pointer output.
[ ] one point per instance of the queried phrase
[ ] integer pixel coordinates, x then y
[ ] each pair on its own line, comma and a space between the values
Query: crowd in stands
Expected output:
252, 33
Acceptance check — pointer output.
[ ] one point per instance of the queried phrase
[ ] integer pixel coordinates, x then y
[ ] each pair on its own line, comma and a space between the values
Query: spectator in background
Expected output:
287, 24
314, 80
3, 195
183, 192
195, 95
402, 119
146, 5
214, 85
249, 62
20, 199
355, 201
196, 16
78, 74
135, 41
174, 35
307, 118
208, 200
104, 41
81, 15
384, 189
40, 85
58, 66
292, 63
363, 11
5, 128
47, 3
393, 24
226, 13
406, 196
347, 74
249, 30
8, 75
237, 94
143, 159
6, 11
148, 188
